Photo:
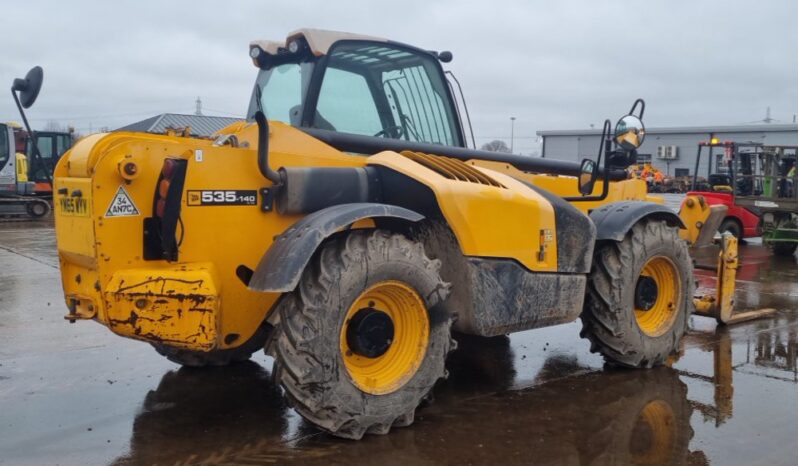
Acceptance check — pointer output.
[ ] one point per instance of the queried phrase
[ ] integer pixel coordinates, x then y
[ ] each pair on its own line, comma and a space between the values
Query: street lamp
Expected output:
512, 133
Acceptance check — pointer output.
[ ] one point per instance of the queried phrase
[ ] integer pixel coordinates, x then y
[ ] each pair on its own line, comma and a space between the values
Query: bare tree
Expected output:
496, 145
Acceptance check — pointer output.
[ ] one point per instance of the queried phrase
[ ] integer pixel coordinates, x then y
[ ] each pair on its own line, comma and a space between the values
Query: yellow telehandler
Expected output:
346, 227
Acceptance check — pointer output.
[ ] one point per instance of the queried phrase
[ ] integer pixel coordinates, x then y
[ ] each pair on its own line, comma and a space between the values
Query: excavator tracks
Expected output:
23, 208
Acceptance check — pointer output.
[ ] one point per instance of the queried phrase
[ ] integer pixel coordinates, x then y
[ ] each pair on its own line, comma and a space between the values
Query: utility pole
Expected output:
512, 133
767, 116
199, 107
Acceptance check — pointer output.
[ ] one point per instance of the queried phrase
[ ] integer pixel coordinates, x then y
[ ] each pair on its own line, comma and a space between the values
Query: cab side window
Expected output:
346, 104
416, 103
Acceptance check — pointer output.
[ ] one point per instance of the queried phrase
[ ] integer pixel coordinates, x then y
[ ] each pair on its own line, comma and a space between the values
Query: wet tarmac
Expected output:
76, 394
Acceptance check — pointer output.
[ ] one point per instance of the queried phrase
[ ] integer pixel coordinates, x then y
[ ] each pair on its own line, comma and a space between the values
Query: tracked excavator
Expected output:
347, 228
17, 192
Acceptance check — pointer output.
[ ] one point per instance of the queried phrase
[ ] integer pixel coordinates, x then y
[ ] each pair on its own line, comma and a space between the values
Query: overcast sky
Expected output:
552, 65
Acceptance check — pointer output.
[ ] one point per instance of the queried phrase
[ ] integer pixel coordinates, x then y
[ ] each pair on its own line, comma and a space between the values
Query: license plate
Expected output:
74, 203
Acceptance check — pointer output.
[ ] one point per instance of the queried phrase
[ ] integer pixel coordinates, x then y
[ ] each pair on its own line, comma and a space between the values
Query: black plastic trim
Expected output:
280, 269
615, 219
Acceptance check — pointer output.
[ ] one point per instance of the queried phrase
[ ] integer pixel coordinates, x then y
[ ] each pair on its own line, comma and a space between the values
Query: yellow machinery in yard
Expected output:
351, 231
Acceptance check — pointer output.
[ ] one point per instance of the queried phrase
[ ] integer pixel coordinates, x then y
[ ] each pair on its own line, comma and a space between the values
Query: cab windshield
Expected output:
365, 88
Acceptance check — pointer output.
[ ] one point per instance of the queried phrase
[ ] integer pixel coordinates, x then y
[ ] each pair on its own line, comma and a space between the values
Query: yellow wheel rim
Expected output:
663, 308
389, 371
654, 435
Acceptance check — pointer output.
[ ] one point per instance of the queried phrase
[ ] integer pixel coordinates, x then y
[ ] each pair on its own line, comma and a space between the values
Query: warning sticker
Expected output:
122, 205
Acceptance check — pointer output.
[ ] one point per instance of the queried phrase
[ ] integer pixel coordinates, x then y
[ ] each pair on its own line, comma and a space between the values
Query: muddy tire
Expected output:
645, 420
640, 296
224, 357
317, 362
733, 227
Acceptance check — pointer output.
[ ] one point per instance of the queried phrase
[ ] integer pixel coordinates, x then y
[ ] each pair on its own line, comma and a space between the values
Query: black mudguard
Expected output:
614, 220
281, 267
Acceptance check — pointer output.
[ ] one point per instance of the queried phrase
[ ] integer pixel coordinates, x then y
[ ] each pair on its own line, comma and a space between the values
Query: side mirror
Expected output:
29, 87
629, 132
588, 173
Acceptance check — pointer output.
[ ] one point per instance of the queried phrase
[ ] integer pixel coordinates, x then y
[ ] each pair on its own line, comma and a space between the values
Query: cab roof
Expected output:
319, 40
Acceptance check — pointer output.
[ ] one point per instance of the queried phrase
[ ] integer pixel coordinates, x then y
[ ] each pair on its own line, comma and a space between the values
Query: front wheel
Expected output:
361, 343
640, 296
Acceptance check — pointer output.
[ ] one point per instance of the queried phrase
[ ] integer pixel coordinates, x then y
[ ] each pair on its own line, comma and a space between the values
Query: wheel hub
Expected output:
646, 292
370, 333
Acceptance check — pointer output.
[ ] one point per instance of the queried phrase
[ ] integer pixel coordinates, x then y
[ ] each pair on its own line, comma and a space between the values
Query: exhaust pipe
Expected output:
263, 150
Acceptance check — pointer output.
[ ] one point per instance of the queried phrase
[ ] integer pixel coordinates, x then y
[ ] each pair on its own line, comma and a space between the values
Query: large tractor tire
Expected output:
360, 342
224, 357
640, 296
644, 419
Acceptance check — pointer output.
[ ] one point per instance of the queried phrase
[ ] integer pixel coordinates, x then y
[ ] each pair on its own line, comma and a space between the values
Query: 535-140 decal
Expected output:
209, 197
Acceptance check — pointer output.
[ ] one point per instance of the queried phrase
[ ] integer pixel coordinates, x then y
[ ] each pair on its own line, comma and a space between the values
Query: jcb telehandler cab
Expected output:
346, 228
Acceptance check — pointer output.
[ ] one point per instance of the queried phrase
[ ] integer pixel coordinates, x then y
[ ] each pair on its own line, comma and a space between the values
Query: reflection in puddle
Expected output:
497, 407
234, 415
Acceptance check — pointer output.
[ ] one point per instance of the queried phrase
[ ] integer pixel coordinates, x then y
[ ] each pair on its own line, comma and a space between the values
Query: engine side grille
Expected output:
452, 168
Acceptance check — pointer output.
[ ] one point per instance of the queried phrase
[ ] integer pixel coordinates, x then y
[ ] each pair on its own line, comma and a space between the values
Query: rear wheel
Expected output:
640, 294
733, 227
360, 343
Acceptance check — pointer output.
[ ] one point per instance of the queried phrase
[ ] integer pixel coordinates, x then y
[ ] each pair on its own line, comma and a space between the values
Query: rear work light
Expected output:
160, 230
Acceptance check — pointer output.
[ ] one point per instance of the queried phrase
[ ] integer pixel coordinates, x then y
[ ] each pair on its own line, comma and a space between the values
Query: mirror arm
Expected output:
642, 104
36, 154
605, 147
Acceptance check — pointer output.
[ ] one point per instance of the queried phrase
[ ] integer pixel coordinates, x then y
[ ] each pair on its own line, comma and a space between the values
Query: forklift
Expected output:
720, 187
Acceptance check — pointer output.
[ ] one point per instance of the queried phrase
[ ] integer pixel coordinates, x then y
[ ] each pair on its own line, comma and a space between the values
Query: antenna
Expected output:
198, 112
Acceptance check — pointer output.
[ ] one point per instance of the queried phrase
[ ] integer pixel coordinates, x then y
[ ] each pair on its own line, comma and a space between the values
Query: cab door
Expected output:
383, 90
8, 175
